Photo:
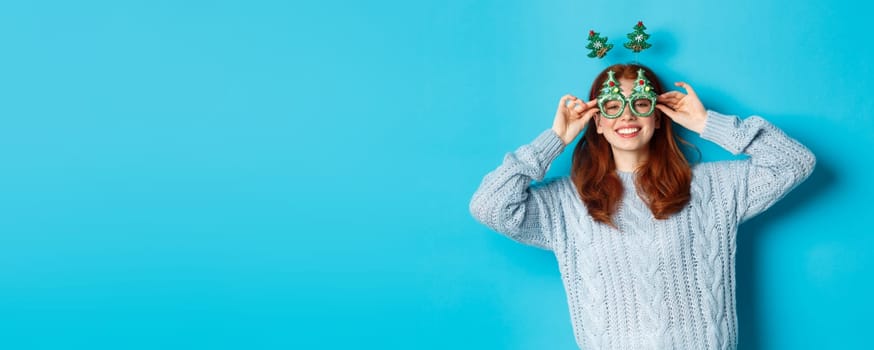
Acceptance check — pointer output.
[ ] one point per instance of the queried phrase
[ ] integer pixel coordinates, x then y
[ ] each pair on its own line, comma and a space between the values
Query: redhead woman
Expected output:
645, 242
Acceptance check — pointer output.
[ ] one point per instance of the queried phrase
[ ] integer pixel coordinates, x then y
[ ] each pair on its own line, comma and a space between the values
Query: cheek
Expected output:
605, 124
651, 123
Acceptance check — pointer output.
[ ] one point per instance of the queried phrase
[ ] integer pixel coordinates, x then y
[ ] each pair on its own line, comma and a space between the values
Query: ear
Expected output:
658, 120
597, 118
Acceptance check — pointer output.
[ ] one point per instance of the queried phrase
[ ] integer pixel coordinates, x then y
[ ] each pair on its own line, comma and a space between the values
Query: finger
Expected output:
580, 123
584, 116
576, 126
672, 94
674, 104
686, 86
573, 101
586, 107
667, 110
576, 103
672, 98
590, 113
563, 101
670, 105
582, 106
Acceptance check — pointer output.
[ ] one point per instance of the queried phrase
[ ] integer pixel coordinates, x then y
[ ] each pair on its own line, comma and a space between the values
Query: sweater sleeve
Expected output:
508, 203
777, 163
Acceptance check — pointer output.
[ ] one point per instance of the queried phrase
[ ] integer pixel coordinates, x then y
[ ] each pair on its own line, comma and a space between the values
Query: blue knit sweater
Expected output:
648, 284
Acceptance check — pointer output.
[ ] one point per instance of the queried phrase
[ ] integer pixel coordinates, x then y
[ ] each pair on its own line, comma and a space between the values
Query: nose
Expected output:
627, 115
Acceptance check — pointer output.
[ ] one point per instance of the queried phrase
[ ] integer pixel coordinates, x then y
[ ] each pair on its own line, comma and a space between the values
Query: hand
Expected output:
570, 120
685, 109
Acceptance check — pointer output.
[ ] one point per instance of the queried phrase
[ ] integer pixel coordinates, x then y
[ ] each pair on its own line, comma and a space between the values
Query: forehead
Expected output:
627, 85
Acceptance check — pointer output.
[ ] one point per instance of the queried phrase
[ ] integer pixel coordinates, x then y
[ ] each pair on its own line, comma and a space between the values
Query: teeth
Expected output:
627, 131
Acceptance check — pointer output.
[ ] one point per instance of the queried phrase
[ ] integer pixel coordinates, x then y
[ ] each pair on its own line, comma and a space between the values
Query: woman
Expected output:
644, 241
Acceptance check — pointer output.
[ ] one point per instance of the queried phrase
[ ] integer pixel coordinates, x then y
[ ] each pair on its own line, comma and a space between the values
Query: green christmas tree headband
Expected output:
636, 41
611, 102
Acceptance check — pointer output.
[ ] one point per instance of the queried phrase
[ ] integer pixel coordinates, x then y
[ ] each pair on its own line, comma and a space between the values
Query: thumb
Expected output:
667, 111
577, 125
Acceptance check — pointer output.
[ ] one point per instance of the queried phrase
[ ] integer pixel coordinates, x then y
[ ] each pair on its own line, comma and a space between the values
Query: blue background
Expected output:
267, 174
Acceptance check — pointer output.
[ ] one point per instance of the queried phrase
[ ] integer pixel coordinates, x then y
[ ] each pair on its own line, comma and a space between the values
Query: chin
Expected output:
629, 149
631, 145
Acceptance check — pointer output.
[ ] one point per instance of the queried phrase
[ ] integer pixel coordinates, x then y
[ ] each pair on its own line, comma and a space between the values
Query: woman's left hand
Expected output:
685, 109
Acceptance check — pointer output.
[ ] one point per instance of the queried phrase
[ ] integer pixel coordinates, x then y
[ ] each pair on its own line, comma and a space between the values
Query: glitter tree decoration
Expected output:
598, 45
637, 39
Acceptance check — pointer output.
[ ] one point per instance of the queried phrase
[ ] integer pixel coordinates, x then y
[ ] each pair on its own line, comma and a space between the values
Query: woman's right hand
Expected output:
570, 120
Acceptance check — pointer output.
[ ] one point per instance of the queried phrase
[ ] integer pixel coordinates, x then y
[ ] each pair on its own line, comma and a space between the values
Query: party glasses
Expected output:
642, 100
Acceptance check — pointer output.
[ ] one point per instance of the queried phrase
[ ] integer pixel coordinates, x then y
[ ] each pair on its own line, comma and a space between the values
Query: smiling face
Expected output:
628, 133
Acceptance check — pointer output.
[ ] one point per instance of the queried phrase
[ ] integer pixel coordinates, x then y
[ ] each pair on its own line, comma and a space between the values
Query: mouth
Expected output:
628, 132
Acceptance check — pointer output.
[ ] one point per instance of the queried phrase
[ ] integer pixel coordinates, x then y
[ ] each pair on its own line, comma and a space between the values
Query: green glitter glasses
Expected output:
612, 103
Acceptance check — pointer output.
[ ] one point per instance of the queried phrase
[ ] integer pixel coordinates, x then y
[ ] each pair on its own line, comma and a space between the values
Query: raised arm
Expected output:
777, 162
507, 202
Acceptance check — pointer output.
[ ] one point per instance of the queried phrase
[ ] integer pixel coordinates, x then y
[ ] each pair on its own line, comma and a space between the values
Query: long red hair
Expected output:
663, 181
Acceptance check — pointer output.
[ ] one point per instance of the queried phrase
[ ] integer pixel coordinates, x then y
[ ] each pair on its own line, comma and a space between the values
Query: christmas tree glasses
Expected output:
612, 103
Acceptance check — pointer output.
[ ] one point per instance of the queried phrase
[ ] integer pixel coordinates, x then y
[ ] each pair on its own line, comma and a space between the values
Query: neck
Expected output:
628, 161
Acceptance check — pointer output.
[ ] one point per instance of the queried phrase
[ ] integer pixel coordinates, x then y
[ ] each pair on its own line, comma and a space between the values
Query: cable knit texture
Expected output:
648, 284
